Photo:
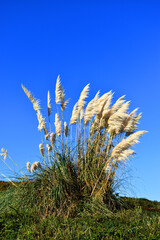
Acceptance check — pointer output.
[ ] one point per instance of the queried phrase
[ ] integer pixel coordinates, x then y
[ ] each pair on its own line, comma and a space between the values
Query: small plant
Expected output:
80, 158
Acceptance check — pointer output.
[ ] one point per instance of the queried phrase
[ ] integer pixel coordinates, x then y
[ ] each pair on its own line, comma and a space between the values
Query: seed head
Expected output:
49, 148
75, 114
4, 153
49, 103
66, 129
58, 125
58, 91
91, 109
28, 166
52, 138
81, 101
41, 148
34, 166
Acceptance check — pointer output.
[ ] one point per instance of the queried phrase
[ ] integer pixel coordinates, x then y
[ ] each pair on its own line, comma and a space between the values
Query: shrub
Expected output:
80, 159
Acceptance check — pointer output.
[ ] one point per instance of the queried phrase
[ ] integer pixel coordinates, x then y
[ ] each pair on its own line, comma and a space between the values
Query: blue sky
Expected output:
111, 45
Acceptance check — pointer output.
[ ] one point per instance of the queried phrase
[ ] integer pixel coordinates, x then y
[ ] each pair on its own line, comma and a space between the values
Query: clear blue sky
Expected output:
109, 44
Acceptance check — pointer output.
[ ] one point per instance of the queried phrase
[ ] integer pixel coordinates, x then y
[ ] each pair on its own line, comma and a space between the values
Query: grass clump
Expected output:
79, 169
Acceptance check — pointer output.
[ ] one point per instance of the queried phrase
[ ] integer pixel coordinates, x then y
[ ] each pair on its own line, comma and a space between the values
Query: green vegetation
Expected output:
71, 193
93, 222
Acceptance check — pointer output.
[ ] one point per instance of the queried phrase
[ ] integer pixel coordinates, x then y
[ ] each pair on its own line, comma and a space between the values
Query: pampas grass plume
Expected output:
58, 91
41, 148
34, 166
126, 144
66, 129
4, 153
83, 96
49, 148
91, 109
49, 103
75, 114
58, 125
52, 138
63, 102
28, 166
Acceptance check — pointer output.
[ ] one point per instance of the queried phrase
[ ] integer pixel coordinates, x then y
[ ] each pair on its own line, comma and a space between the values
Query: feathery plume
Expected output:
75, 114
81, 101
49, 148
28, 93
41, 121
104, 103
126, 144
35, 102
46, 132
63, 102
116, 122
52, 138
117, 104
49, 103
36, 105
58, 91
91, 109
34, 166
134, 123
28, 166
41, 148
128, 124
4, 153
125, 155
66, 129
104, 97
81, 114
58, 125
124, 107
106, 111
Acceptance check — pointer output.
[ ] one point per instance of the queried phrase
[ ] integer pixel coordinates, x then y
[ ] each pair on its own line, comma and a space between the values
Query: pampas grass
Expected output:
49, 103
58, 91
58, 125
35, 166
75, 114
3, 153
42, 149
102, 144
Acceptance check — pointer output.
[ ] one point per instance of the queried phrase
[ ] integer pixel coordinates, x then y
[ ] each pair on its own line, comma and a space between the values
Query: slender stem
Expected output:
62, 139
71, 140
49, 124
17, 166
100, 175
8, 179
10, 168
